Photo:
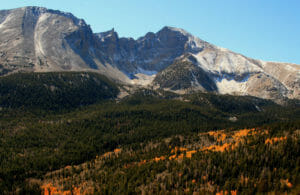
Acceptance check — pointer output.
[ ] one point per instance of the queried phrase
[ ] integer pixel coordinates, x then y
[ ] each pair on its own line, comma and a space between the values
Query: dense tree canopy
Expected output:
71, 118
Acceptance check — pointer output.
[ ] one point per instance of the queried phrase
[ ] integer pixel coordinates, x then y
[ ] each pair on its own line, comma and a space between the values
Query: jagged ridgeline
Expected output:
54, 90
36, 39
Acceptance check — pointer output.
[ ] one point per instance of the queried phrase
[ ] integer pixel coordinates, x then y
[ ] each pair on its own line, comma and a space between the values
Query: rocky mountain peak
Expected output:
39, 39
172, 37
191, 43
44, 40
38, 11
169, 29
110, 35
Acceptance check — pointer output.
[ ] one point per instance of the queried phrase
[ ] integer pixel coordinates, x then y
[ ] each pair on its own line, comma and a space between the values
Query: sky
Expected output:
261, 29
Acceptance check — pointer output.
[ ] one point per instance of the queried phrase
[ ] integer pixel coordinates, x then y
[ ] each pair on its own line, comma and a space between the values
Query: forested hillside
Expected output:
54, 91
245, 161
37, 141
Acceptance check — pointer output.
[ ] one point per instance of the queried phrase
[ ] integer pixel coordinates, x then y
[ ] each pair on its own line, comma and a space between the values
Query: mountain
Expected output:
34, 39
92, 113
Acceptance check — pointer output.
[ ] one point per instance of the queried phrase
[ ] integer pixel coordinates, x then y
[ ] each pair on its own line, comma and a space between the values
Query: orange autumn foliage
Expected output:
142, 162
242, 133
110, 154
218, 148
237, 135
49, 189
219, 135
172, 157
178, 153
190, 153
176, 149
274, 140
156, 159
286, 182
232, 192
180, 157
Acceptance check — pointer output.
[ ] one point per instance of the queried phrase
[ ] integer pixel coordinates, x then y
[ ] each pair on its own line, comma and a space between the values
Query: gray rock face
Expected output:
179, 61
42, 40
38, 39
152, 53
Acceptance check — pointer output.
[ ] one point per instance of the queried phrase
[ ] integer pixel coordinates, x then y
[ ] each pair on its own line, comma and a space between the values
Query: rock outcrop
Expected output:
42, 40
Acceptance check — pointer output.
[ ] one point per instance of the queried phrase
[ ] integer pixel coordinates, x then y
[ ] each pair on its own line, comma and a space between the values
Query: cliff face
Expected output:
37, 39
42, 40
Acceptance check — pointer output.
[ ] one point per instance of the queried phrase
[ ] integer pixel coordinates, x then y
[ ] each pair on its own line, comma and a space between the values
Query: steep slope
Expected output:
146, 55
237, 74
43, 40
184, 75
234, 73
155, 60
287, 74
36, 39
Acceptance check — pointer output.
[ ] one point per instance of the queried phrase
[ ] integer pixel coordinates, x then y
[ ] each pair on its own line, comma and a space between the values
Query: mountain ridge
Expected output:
35, 39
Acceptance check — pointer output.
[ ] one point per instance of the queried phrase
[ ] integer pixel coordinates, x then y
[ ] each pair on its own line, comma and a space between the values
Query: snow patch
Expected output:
226, 86
142, 79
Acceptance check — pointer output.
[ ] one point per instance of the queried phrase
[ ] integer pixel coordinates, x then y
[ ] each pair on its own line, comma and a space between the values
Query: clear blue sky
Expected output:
263, 29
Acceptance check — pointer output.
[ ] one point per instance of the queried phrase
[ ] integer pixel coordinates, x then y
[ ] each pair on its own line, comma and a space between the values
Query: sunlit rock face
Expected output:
33, 38
41, 40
